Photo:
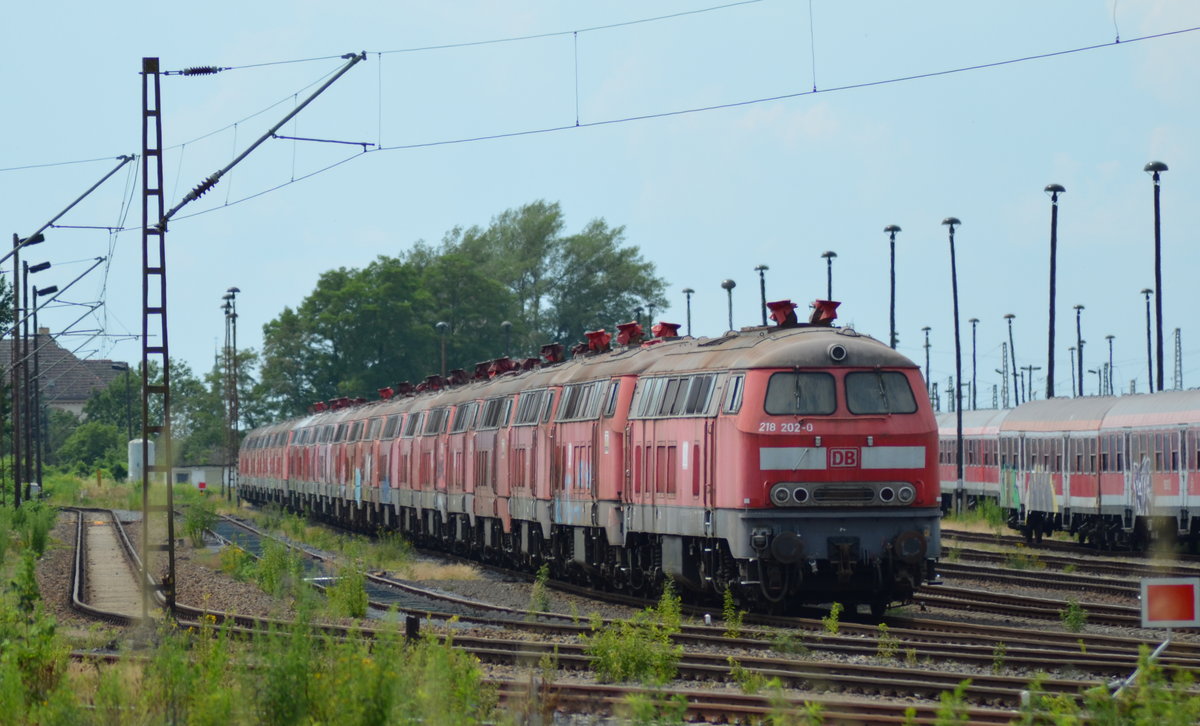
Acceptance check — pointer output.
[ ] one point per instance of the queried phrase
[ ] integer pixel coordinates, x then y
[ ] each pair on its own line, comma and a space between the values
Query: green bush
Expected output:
198, 519
640, 648
347, 596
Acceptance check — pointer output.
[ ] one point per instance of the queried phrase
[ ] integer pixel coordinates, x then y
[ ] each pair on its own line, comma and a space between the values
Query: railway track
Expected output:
930, 640
106, 581
1054, 545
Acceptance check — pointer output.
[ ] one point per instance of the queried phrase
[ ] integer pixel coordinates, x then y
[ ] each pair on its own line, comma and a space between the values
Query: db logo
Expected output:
843, 458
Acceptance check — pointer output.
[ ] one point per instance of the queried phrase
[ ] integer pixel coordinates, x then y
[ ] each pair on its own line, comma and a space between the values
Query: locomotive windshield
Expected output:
800, 393
879, 392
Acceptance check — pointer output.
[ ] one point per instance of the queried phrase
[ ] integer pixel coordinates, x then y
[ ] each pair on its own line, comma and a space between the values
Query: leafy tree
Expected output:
60, 426
364, 329
94, 445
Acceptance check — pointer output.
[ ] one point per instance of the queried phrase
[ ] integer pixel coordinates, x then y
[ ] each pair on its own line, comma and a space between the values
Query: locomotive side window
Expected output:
733, 395
435, 422
872, 392
410, 426
611, 407
373, 433
549, 406
800, 393
464, 416
389, 429
530, 407
495, 413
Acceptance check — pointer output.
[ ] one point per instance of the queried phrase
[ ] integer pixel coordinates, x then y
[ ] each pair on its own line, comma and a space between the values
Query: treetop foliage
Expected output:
364, 329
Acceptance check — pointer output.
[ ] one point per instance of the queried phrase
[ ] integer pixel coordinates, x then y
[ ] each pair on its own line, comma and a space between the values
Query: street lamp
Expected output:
1079, 345
27, 377
38, 420
728, 286
443, 328
688, 292
950, 223
1053, 190
1109, 338
1149, 357
1012, 351
892, 229
829, 255
506, 326
926, 330
973, 322
1155, 168
762, 290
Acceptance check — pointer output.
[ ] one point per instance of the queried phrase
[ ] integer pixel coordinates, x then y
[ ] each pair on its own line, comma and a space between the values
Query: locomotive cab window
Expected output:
873, 392
800, 393
733, 395
464, 416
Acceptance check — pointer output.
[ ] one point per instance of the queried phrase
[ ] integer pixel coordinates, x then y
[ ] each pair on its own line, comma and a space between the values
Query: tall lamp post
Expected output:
1053, 190
973, 322
39, 423
28, 381
231, 390
1012, 351
687, 293
1155, 168
1149, 356
829, 255
506, 327
443, 328
950, 223
1079, 345
928, 390
762, 290
892, 229
728, 286
1109, 338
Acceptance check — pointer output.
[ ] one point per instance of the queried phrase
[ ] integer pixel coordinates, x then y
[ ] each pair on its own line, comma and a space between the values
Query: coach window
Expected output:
870, 392
800, 393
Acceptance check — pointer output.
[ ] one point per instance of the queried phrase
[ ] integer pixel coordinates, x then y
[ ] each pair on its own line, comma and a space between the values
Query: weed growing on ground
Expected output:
639, 648
1024, 561
731, 615
1069, 568
998, 656
539, 596
788, 643
347, 596
392, 552
1073, 616
910, 657
655, 709
237, 562
832, 621
750, 682
198, 518
279, 570
888, 644
953, 708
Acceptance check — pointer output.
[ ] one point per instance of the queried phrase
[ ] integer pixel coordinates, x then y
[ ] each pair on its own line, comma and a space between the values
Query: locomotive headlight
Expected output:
887, 494
907, 494
780, 495
800, 495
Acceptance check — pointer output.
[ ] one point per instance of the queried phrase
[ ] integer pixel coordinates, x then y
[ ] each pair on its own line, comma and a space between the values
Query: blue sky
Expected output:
705, 196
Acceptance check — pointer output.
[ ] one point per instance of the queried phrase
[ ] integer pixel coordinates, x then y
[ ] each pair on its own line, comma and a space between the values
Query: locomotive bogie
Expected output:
658, 461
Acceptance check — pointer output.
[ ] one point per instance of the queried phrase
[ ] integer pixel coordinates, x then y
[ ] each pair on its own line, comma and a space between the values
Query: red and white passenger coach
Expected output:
790, 464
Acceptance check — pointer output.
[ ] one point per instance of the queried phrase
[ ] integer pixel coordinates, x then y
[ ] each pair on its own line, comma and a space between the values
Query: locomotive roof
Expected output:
769, 347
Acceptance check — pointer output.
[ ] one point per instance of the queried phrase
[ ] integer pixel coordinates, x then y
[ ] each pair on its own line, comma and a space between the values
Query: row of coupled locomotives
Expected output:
791, 464
1117, 472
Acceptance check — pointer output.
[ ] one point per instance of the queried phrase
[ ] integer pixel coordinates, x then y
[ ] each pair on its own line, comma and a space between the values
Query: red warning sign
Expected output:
1171, 602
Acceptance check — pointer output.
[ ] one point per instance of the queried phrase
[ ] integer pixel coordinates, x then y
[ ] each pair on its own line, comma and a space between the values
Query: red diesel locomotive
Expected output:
790, 464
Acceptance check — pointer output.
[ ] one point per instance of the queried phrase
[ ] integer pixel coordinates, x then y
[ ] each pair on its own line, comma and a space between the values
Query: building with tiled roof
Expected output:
67, 382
